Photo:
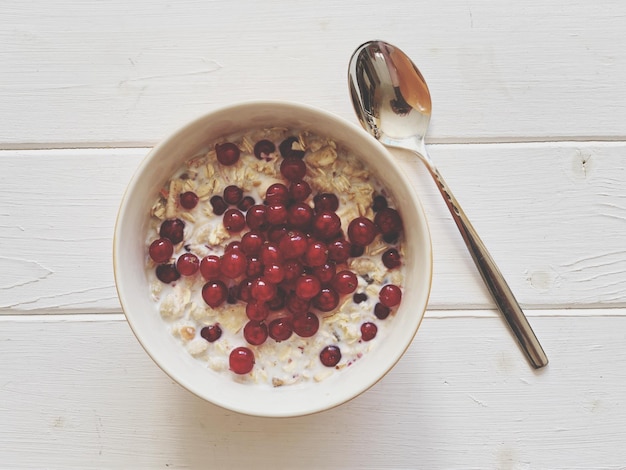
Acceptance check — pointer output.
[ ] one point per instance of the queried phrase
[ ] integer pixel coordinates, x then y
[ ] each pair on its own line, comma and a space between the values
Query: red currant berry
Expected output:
257, 311
187, 264
233, 263
307, 286
325, 272
241, 360
388, 221
234, 245
262, 290
280, 329
274, 273
390, 295
233, 194
218, 204
306, 324
327, 300
330, 356
325, 202
167, 273
255, 217
293, 169
299, 215
291, 148
246, 203
276, 214
254, 267
391, 238
211, 333
345, 282
339, 250
271, 254
368, 331
276, 193
391, 258
210, 267
188, 200
316, 254
214, 293
172, 229
295, 304
361, 231
356, 251
299, 190
326, 225
255, 332
381, 311
244, 290
293, 244
234, 221
161, 250
251, 242
227, 153
276, 232
263, 149
379, 203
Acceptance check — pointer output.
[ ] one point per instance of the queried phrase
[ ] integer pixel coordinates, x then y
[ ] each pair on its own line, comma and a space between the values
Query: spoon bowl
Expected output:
392, 102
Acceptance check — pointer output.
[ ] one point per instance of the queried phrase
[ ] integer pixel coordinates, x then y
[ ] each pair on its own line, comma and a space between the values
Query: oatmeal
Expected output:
275, 257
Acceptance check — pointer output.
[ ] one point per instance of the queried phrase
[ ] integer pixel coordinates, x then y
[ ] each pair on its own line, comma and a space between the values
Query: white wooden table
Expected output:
529, 129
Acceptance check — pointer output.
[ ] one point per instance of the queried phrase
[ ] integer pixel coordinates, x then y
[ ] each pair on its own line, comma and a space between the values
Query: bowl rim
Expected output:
296, 106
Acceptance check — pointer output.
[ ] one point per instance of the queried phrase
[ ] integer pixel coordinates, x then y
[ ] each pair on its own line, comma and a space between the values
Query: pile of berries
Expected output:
287, 259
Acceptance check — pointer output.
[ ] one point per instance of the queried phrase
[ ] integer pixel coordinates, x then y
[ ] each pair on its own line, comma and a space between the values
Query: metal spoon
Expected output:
392, 101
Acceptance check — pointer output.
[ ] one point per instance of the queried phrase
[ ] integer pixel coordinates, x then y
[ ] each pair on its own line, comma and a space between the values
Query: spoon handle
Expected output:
500, 290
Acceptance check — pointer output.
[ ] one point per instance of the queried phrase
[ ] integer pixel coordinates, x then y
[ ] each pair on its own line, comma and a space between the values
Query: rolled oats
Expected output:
331, 168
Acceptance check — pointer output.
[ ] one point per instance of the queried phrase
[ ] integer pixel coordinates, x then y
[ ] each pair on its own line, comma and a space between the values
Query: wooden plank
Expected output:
90, 73
552, 216
557, 239
57, 218
76, 392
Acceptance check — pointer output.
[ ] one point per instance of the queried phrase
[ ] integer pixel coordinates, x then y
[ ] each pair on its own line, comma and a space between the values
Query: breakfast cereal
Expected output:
275, 257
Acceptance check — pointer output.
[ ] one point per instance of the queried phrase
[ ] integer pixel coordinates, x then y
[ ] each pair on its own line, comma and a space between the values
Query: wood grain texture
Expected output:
79, 392
558, 237
119, 73
528, 130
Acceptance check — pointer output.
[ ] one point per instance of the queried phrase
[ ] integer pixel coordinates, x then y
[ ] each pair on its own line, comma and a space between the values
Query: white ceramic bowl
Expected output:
129, 255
